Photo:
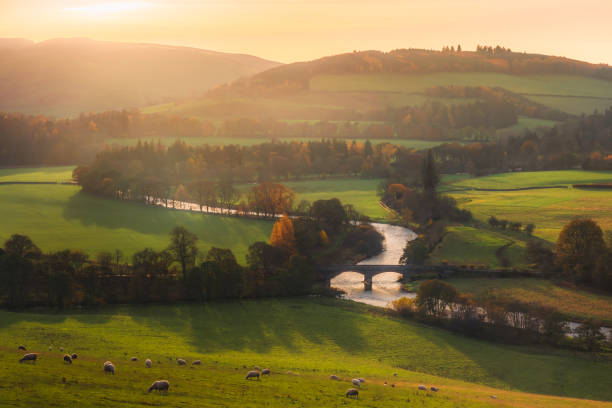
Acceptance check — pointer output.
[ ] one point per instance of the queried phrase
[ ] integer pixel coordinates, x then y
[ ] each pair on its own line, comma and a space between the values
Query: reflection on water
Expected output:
385, 286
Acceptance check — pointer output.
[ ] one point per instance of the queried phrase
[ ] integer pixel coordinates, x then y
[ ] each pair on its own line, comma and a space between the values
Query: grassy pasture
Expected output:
61, 216
575, 303
465, 245
303, 341
531, 179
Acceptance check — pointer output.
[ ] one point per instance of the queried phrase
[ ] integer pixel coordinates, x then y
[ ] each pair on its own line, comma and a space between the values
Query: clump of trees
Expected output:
511, 225
581, 255
496, 317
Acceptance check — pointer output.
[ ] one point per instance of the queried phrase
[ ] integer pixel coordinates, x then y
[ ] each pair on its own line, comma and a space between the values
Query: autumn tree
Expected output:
283, 234
434, 296
579, 247
271, 198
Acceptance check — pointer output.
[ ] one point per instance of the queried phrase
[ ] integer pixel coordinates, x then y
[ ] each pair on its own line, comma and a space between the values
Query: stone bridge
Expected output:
369, 271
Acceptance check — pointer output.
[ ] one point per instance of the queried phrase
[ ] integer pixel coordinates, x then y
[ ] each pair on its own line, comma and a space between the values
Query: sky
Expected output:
298, 30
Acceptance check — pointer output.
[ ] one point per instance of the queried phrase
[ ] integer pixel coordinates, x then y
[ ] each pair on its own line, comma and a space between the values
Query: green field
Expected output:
38, 174
575, 303
359, 192
61, 216
573, 94
250, 141
303, 342
530, 179
465, 245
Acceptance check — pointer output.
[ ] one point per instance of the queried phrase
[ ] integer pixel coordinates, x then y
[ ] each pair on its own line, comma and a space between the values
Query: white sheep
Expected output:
148, 363
109, 368
160, 385
29, 357
252, 374
181, 362
422, 388
352, 392
356, 383
67, 359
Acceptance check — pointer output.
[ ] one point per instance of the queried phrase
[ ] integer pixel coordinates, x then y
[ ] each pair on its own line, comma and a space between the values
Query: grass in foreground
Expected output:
57, 217
303, 341
575, 303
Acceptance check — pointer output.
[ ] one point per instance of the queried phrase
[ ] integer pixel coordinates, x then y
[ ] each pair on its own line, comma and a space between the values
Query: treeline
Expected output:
498, 318
37, 140
285, 267
522, 105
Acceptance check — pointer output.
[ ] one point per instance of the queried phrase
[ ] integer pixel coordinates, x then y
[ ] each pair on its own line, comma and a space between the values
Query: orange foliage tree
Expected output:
283, 234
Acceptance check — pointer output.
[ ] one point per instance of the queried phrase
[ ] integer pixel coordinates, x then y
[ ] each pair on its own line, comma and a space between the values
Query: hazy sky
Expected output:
291, 30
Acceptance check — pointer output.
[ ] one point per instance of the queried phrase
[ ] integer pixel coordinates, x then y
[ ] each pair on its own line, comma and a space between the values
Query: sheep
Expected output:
256, 368
67, 359
392, 385
148, 363
181, 362
109, 368
356, 383
75, 356
265, 371
352, 392
252, 374
29, 357
160, 385
395, 374
62, 349
22, 348
334, 377
434, 389
50, 348
422, 388
134, 359
361, 380
196, 362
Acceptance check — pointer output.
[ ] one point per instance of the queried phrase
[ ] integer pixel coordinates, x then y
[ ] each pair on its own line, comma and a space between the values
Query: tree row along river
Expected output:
386, 286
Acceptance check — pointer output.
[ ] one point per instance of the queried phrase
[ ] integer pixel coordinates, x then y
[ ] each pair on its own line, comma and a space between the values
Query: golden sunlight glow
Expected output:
102, 9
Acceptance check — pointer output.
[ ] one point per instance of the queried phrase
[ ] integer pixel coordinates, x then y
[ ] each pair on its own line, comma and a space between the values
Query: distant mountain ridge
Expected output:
67, 76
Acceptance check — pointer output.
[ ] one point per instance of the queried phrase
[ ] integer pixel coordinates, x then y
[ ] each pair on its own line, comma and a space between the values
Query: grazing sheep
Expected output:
385, 383
493, 396
134, 359
361, 380
61, 349
356, 382
434, 389
352, 392
257, 368
109, 368
334, 377
395, 374
148, 363
23, 348
181, 362
50, 348
265, 371
67, 359
422, 388
392, 385
196, 362
252, 374
160, 385
75, 356
29, 357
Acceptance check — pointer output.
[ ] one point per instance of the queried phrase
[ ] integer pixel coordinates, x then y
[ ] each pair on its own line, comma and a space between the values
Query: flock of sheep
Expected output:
164, 385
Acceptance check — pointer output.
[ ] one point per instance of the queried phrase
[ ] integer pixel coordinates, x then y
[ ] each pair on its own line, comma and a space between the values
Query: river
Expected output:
385, 286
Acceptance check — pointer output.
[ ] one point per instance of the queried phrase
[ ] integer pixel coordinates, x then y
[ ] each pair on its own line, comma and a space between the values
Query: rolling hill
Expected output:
65, 77
354, 85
